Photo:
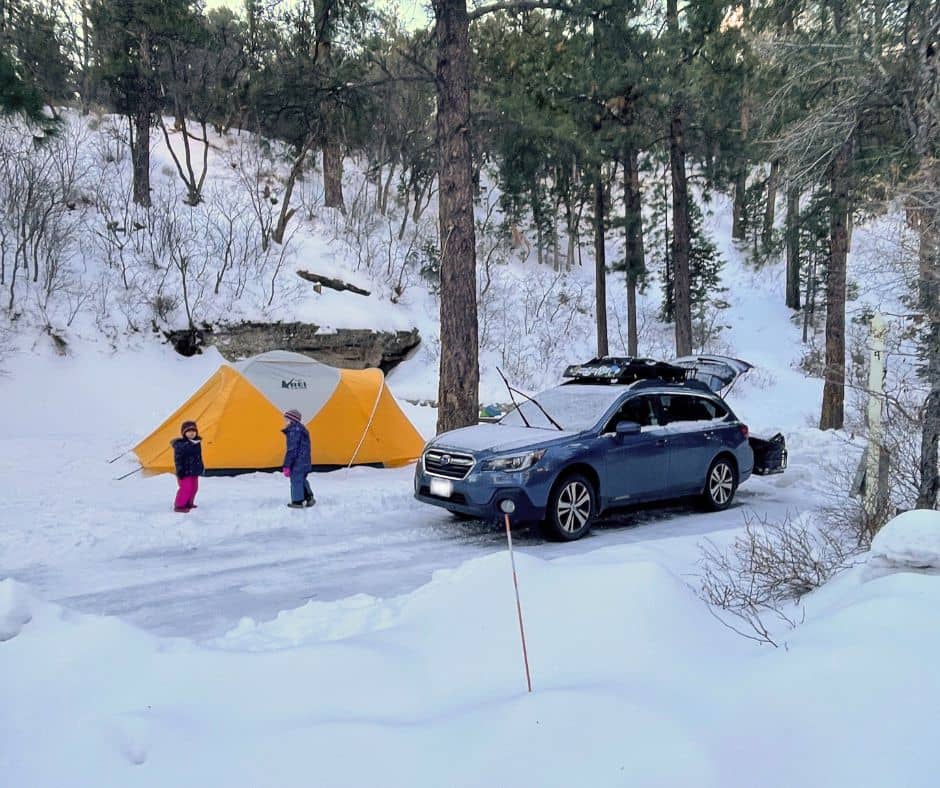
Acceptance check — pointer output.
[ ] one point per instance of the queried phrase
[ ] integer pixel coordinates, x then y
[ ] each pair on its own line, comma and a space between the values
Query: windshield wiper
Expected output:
512, 397
531, 399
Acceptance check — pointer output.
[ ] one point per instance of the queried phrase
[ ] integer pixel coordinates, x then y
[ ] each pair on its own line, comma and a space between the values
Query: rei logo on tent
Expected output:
294, 383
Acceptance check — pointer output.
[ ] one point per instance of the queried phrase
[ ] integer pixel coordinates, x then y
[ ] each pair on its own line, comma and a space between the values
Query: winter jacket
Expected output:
187, 455
298, 457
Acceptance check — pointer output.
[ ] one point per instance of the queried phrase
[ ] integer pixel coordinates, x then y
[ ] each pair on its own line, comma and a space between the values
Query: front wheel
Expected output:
720, 485
571, 509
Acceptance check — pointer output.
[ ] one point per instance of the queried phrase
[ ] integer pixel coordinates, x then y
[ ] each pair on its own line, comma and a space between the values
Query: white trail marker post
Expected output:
874, 489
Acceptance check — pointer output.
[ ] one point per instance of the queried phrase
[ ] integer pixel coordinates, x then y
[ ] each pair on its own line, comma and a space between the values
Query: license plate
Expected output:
442, 488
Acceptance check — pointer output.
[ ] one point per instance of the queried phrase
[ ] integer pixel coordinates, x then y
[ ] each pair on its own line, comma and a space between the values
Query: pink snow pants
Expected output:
186, 494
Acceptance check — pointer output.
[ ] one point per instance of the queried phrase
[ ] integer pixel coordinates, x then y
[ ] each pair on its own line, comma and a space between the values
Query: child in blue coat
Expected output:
297, 461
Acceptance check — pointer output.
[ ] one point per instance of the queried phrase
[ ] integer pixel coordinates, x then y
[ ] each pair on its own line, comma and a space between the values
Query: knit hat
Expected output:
188, 425
293, 415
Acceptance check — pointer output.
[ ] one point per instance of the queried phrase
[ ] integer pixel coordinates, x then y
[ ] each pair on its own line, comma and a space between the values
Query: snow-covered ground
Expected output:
373, 640
634, 684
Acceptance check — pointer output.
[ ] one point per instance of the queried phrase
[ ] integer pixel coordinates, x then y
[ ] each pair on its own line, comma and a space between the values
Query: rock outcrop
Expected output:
353, 348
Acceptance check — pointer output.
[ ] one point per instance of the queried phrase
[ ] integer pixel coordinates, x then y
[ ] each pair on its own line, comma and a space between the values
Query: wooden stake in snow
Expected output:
508, 507
874, 492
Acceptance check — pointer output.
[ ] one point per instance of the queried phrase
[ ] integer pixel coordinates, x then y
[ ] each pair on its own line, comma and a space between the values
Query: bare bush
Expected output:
767, 569
41, 211
256, 167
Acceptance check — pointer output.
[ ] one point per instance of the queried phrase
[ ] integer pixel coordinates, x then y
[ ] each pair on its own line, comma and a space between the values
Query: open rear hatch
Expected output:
719, 373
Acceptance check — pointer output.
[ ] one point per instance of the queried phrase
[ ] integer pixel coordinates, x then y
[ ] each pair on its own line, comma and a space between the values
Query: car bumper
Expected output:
480, 495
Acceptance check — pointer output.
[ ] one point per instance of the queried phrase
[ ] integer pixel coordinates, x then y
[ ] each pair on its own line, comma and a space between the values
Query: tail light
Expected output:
744, 430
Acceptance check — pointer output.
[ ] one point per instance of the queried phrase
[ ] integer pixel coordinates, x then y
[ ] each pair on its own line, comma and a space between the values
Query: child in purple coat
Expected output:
187, 455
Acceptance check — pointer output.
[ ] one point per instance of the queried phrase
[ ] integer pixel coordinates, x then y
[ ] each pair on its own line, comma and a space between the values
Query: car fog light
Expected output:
507, 506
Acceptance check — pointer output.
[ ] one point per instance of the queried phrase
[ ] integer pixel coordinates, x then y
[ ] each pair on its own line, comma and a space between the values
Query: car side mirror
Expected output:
625, 428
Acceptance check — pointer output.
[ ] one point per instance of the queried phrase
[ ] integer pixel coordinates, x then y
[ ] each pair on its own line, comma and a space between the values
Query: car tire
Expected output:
571, 509
721, 483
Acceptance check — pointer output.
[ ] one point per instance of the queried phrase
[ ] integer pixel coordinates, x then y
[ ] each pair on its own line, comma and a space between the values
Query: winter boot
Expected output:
310, 500
181, 509
295, 505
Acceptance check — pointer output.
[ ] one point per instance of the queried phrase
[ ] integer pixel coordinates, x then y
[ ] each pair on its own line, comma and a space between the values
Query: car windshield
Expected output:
574, 407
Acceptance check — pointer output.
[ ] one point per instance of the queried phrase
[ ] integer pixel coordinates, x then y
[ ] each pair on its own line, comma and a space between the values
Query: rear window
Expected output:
682, 407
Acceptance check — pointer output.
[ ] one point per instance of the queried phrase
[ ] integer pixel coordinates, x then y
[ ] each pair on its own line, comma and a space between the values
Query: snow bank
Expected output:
634, 684
16, 608
909, 542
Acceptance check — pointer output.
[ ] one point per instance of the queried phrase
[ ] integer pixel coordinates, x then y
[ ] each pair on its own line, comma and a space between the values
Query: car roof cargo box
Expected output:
623, 370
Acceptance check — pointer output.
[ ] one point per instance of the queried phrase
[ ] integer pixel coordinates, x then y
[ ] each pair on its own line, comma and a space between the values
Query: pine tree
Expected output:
131, 37
34, 71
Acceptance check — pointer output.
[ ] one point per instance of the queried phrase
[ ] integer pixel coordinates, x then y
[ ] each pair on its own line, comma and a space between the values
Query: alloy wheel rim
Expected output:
721, 483
574, 506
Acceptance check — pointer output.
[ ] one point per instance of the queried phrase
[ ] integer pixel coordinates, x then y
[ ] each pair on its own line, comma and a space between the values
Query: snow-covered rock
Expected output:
909, 542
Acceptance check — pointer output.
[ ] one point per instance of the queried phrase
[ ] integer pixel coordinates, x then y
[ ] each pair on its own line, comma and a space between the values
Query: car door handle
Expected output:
662, 442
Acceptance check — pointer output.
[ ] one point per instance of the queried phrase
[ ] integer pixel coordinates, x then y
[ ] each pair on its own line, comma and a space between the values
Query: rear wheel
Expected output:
720, 484
571, 509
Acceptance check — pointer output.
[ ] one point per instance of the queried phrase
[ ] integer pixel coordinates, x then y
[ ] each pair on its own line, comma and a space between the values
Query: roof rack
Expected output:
624, 370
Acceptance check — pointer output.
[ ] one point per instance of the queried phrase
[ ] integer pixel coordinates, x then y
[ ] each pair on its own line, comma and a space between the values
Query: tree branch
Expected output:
520, 5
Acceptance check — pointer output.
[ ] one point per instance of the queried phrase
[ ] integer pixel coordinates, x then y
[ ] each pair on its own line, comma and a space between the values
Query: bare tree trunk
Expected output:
286, 211
635, 253
771, 204
928, 494
793, 247
832, 416
458, 392
140, 154
86, 78
556, 249
332, 151
383, 203
681, 241
809, 311
600, 263
140, 140
740, 184
333, 176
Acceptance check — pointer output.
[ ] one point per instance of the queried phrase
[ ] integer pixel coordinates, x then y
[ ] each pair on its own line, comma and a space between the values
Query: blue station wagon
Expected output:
619, 432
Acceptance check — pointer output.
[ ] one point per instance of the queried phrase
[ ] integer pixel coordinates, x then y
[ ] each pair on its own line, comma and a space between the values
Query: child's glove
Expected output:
287, 471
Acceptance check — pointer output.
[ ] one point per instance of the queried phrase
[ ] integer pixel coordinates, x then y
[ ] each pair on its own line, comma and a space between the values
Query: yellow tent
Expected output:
352, 417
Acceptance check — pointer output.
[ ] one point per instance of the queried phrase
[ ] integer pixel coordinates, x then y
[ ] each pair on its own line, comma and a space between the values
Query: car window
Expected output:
638, 409
682, 407
717, 410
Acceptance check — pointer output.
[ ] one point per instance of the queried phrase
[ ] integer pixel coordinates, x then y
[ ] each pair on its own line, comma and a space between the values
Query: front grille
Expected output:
450, 465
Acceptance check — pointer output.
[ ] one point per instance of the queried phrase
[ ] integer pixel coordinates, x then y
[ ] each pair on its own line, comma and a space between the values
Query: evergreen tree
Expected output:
34, 71
131, 38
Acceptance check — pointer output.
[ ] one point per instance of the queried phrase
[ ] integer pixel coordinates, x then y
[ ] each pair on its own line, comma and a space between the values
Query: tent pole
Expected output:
375, 407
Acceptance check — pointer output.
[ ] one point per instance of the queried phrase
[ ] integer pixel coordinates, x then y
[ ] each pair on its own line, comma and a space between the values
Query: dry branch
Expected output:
334, 284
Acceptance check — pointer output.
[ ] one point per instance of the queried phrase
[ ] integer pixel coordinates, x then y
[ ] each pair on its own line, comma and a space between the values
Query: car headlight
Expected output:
515, 462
